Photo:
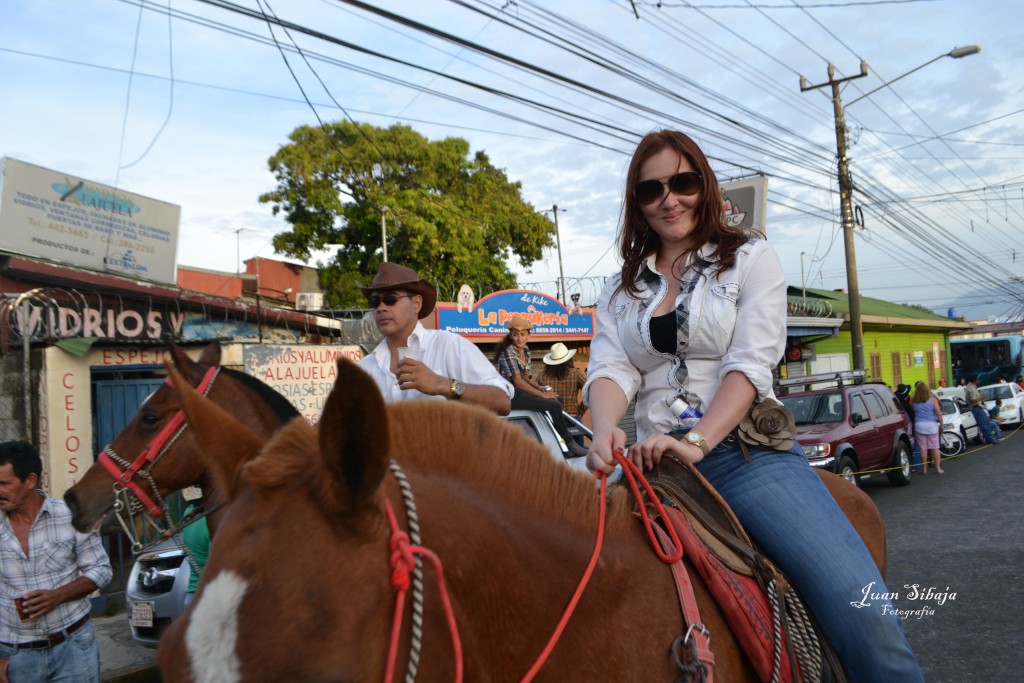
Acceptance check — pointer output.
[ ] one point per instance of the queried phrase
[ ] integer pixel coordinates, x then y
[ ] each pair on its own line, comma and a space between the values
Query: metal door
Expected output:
115, 404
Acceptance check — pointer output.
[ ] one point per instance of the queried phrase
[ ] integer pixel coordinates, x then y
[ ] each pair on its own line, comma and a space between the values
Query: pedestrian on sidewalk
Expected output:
927, 426
47, 571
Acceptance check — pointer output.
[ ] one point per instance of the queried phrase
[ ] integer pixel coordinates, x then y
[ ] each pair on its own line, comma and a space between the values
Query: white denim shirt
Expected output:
737, 322
445, 353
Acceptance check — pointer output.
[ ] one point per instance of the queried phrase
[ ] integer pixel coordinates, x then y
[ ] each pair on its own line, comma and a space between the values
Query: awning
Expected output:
807, 326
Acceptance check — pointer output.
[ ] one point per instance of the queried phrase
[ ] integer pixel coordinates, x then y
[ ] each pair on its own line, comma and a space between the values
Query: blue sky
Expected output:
188, 114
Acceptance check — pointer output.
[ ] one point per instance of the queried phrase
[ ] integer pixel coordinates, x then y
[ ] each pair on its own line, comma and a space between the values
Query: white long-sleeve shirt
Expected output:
736, 322
445, 353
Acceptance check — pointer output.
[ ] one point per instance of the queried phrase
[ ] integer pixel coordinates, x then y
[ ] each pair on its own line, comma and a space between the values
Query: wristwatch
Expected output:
457, 389
697, 439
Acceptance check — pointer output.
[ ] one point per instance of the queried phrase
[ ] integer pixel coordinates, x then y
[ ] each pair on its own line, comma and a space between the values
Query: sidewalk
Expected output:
122, 660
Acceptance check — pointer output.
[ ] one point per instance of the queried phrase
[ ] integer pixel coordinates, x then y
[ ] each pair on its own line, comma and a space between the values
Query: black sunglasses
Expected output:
388, 299
685, 183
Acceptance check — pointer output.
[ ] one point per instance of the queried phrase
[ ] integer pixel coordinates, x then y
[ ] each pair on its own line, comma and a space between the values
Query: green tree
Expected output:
452, 216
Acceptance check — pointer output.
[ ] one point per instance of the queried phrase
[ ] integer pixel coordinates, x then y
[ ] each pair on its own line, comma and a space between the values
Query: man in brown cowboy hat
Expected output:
448, 366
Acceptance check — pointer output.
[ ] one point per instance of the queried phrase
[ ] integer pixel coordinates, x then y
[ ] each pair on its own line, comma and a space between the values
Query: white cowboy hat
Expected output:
559, 354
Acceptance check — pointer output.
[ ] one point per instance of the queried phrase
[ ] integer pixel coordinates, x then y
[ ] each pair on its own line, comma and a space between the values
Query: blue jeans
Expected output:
788, 511
984, 423
76, 660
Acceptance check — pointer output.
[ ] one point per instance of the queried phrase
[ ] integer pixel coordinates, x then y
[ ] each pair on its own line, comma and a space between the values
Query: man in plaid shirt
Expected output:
47, 571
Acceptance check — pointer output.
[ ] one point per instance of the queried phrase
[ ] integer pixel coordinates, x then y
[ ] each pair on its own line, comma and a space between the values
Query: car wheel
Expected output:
900, 475
847, 469
951, 443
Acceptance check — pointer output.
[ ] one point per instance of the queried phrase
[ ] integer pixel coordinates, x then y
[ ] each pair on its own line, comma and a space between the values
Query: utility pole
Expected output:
846, 208
558, 243
384, 230
238, 252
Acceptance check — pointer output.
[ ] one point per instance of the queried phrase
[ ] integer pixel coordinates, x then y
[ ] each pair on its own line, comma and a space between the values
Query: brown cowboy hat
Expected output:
391, 277
519, 322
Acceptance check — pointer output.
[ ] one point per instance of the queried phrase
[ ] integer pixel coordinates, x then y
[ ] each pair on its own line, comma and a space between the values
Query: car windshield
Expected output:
948, 407
1001, 391
815, 408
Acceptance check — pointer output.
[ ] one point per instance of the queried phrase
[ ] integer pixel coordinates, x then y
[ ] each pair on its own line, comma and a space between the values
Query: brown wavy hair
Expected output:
637, 241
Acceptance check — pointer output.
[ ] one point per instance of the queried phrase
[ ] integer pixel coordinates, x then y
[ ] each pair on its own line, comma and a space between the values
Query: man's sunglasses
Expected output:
388, 299
685, 183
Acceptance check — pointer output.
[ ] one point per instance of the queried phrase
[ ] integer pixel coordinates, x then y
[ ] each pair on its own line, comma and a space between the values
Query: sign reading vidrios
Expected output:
64, 218
302, 374
489, 316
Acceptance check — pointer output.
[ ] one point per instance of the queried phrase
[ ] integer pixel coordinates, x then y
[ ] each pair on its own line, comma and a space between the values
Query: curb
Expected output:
137, 674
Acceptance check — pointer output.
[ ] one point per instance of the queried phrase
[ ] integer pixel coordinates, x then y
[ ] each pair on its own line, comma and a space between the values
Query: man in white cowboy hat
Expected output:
564, 378
449, 367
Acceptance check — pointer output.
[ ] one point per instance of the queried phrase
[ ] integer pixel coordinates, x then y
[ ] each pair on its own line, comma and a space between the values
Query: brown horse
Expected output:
298, 584
261, 409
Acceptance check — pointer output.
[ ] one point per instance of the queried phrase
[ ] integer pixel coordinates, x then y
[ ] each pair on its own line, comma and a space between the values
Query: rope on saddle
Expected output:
803, 639
413, 522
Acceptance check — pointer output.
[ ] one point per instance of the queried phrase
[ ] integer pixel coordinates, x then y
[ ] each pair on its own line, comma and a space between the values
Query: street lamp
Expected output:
558, 245
384, 230
846, 185
803, 281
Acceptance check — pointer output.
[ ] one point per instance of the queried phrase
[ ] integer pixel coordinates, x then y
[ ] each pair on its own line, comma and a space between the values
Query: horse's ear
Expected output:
192, 370
210, 354
222, 439
354, 436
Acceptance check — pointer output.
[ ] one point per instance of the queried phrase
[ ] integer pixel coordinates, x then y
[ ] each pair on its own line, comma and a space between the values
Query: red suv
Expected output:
851, 427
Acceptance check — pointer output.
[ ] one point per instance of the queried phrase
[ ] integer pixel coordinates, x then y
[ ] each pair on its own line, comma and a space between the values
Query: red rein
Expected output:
403, 561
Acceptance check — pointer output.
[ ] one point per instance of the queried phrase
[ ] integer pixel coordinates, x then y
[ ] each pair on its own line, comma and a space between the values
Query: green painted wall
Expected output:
885, 343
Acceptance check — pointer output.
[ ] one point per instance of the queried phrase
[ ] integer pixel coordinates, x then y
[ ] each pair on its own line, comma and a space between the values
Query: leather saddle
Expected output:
764, 612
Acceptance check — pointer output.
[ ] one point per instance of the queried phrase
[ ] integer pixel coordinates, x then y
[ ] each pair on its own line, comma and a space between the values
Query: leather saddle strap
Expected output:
708, 513
695, 629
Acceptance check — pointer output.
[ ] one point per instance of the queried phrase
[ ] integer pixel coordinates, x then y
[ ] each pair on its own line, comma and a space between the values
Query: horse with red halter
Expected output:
155, 454
298, 585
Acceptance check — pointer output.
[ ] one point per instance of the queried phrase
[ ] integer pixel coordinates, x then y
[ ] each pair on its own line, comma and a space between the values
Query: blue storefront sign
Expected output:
488, 317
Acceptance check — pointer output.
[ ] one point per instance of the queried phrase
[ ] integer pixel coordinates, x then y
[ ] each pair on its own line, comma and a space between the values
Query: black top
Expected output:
663, 332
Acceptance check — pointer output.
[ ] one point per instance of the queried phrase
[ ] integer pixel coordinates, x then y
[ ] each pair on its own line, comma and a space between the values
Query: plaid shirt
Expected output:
567, 388
509, 365
57, 556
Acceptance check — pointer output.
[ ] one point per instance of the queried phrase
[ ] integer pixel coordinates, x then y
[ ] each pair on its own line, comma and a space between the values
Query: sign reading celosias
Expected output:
64, 218
489, 316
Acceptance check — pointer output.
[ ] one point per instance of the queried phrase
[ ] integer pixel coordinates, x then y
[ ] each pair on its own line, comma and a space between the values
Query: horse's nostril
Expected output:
72, 502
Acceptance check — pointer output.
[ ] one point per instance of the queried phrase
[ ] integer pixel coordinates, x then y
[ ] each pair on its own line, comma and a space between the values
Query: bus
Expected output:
987, 358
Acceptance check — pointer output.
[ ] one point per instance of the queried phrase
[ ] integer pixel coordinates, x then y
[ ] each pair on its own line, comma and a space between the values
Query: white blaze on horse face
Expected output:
213, 631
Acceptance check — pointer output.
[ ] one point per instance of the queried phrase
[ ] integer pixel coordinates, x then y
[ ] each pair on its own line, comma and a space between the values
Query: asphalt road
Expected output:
961, 533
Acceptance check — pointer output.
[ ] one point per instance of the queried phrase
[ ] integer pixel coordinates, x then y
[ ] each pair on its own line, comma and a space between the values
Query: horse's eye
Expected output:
148, 419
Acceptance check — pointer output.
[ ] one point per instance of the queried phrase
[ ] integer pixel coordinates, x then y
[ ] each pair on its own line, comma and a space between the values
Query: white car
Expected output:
1011, 397
957, 421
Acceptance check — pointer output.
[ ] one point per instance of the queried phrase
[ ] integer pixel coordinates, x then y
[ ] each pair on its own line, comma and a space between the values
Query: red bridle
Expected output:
153, 451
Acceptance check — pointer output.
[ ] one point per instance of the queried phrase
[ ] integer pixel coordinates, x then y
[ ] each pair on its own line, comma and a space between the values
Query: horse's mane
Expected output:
278, 404
463, 442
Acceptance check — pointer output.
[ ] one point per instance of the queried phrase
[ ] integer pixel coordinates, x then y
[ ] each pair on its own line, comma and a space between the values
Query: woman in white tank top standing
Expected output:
927, 425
